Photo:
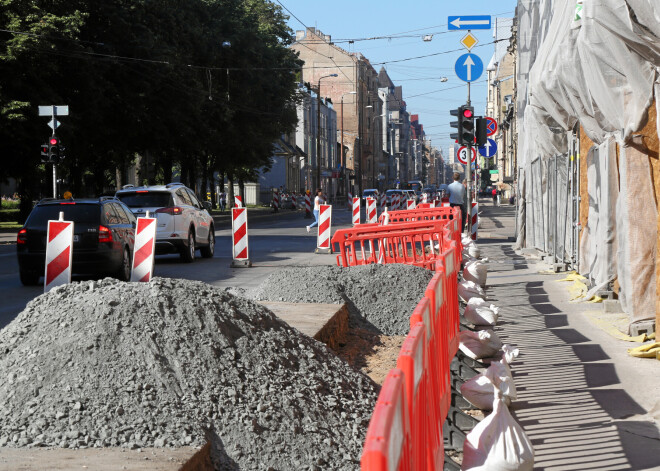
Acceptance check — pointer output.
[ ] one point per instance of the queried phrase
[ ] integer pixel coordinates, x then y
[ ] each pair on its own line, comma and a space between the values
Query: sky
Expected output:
404, 24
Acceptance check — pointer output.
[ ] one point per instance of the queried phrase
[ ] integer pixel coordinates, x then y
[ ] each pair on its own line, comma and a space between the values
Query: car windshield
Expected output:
147, 199
76, 212
392, 192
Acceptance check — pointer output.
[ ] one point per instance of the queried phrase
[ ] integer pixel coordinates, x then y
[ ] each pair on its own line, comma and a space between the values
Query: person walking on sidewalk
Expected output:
318, 201
457, 196
494, 196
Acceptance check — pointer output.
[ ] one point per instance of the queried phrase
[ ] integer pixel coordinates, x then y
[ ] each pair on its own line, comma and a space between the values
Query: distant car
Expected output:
184, 224
370, 193
103, 238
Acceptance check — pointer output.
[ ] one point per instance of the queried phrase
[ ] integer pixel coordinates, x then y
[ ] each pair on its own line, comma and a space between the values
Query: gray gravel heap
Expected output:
105, 363
379, 297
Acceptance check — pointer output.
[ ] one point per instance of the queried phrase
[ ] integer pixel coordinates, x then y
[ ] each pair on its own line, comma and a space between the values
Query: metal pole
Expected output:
54, 180
554, 217
342, 145
468, 209
318, 135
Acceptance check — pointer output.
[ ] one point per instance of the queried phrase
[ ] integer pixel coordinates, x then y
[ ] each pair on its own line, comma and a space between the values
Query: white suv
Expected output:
184, 224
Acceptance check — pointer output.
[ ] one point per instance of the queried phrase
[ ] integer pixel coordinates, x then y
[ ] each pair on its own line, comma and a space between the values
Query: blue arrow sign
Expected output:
469, 22
469, 67
490, 149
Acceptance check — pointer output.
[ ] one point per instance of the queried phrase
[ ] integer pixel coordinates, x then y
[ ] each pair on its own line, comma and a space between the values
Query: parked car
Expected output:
103, 238
184, 224
370, 193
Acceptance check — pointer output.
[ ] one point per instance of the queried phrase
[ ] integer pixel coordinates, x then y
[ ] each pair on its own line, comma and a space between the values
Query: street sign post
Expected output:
491, 126
489, 149
53, 110
469, 67
462, 154
469, 22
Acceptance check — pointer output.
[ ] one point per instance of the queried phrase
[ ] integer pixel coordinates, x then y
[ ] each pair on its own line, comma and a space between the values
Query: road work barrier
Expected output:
383, 202
239, 237
144, 249
238, 201
356, 211
324, 229
410, 204
276, 200
59, 253
474, 214
372, 213
430, 350
294, 201
308, 206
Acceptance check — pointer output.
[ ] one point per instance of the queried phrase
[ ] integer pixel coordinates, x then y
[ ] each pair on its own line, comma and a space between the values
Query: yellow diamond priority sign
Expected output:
469, 41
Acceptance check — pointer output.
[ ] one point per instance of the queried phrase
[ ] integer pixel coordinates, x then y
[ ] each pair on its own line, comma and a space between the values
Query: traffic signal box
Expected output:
464, 126
53, 151
481, 132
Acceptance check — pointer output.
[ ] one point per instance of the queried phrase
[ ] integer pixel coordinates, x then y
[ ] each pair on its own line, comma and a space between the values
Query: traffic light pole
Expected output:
468, 209
54, 163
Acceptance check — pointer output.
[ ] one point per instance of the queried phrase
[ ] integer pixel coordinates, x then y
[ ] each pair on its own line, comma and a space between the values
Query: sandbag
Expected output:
478, 312
469, 289
480, 344
475, 271
479, 389
498, 442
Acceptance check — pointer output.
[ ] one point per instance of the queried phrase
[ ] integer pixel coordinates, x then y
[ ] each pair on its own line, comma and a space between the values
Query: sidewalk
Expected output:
585, 404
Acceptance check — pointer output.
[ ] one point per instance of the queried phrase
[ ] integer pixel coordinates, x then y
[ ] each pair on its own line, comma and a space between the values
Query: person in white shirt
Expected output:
457, 196
318, 201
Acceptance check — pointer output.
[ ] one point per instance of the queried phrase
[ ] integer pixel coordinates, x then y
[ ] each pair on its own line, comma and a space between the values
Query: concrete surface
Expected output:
585, 403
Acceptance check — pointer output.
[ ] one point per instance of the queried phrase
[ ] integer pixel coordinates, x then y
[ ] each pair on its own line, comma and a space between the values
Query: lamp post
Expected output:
373, 152
318, 129
342, 140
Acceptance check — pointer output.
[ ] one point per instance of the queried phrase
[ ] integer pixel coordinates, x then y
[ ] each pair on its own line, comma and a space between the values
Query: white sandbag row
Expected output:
469, 289
475, 271
480, 344
478, 312
498, 441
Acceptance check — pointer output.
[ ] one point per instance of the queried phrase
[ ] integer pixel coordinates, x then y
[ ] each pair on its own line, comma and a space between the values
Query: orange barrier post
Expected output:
387, 445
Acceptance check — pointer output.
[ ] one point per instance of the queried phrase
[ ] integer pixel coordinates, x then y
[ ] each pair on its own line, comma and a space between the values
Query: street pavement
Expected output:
585, 404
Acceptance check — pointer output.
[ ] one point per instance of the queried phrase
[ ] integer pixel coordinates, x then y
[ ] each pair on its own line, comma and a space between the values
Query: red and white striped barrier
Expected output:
238, 201
276, 200
325, 224
308, 206
410, 204
474, 214
294, 201
425, 198
395, 202
372, 213
383, 202
445, 202
144, 249
350, 198
239, 237
59, 251
356, 211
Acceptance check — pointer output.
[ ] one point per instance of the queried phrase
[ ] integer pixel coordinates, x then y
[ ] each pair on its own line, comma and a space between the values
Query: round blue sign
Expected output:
489, 149
469, 67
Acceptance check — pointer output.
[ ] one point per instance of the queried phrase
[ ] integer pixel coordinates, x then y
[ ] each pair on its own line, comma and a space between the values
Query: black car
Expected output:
104, 234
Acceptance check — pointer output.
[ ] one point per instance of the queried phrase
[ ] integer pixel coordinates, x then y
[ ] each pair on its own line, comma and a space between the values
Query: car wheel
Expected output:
124, 273
29, 278
209, 250
188, 251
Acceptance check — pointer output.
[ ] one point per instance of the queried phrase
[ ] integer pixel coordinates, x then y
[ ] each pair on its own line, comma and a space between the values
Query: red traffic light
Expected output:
53, 141
467, 113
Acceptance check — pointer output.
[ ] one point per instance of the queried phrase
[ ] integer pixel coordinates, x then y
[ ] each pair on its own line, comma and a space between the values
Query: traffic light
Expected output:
456, 124
466, 129
44, 152
481, 132
55, 150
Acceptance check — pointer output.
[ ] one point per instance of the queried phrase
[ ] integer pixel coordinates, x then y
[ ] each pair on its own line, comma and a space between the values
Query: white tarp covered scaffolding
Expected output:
594, 64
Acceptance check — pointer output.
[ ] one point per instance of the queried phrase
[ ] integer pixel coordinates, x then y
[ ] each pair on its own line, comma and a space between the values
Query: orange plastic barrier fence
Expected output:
413, 361
387, 445
416, 243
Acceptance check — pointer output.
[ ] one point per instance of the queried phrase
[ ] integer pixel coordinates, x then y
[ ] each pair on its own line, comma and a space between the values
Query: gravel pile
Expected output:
380, 298
105, 363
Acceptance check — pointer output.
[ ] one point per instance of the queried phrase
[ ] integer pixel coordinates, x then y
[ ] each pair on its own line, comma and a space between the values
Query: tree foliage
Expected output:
143, 77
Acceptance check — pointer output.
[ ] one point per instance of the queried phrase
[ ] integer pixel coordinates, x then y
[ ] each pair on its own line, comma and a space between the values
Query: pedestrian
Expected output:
457, 196
494, 196
318, 201
223, 200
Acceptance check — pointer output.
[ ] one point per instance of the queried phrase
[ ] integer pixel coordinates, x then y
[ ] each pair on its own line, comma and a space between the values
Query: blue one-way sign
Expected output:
469, 67
489, 149
469, 22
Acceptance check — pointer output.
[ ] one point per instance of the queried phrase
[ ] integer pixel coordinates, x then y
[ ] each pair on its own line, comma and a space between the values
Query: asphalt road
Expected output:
275, 241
